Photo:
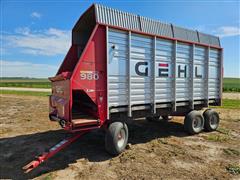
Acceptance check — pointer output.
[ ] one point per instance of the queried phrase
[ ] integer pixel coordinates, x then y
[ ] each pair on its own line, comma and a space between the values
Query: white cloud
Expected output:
227, 31
49, 42
36, 15
26, 69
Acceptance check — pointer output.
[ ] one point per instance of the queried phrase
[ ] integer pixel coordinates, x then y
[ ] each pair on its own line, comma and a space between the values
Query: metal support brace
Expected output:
174, 74
107, 56
207, 76
129, 75
153, 75
192, 78
221, 77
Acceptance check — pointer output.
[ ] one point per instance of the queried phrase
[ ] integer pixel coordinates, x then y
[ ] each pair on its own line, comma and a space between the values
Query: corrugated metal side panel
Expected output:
183, 74
117, 68
113, 17
182, 33
214, 74
141, 51
155, 27
164, 57
208, 39
200, 56
118, 18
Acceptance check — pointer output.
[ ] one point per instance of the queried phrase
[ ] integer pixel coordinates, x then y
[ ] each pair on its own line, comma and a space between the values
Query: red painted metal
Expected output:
69, 61
163, 65
59, 100
52, 151
93, 62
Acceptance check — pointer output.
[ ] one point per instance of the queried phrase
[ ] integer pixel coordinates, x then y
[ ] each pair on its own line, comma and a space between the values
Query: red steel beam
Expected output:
52, 151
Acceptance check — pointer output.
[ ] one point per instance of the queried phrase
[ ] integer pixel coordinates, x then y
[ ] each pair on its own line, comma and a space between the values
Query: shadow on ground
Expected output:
20, 150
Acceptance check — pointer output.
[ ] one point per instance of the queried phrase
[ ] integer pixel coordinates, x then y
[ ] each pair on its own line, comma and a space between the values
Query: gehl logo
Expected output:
141, 69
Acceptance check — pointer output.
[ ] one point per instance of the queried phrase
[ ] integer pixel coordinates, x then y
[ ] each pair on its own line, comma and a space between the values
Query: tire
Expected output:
212, 120
194, 122
116, 138
153, 118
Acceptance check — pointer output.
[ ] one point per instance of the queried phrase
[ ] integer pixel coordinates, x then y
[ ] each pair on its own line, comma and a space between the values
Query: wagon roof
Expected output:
128, 21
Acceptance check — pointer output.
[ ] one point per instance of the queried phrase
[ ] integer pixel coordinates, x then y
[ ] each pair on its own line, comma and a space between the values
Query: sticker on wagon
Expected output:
89, 75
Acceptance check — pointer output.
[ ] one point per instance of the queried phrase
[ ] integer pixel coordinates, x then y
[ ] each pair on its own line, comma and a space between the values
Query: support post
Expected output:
174, 75
192, 77
129, 75
221, 77
154, 76
207, 77
107, 56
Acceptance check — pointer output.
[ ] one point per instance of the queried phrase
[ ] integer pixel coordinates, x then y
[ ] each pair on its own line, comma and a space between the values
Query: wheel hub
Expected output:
197, 123
121, 138
213, 121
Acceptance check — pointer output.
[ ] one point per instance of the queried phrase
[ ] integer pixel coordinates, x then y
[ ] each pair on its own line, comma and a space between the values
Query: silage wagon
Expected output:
123, 66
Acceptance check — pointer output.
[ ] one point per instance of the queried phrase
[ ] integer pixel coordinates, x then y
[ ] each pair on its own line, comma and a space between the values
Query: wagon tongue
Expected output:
51, 152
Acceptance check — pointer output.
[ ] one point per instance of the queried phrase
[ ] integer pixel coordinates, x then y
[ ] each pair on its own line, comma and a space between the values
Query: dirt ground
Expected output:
231, 96
158, 150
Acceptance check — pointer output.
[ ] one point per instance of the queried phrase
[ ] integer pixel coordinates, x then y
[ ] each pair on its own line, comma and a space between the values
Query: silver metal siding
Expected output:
208, 39
155, 27
182, 33
164, 85
141, 50
117, 68
113, 17
214, 74
200, 62
182, 62
202, 81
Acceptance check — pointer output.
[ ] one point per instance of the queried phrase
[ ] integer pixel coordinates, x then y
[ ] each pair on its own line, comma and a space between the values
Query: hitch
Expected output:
52, 151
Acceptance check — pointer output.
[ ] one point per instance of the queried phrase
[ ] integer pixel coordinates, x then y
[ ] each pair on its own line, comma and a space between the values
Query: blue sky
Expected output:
36, 35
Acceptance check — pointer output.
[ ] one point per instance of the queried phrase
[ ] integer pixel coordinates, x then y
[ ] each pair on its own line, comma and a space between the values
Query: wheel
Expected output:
211, 120
166, 118
153, 118
194, 122
116, 138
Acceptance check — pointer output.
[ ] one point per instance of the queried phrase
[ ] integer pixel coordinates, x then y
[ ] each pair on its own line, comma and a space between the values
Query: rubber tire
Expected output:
207, 116
111, 138
188, 122
152, 118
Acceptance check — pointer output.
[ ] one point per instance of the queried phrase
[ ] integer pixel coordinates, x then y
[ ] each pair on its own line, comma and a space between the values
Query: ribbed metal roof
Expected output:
113, 17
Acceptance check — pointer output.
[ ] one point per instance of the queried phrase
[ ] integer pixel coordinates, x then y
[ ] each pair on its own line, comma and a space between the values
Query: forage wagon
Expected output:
123, 66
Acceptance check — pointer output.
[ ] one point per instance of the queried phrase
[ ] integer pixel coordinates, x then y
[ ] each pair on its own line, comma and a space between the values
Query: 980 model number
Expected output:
89, 75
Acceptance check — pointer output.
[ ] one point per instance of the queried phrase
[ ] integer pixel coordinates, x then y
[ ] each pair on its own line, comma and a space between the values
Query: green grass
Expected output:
231, 84
25, 93
217, 138
231, 103
223, 131
25, 82
233, 169
231, 152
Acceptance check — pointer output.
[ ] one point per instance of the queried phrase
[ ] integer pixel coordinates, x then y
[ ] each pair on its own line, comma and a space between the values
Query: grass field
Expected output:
231, 103
25, 82
25, 93
229, 84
